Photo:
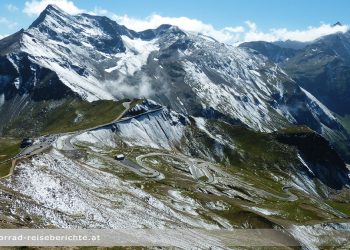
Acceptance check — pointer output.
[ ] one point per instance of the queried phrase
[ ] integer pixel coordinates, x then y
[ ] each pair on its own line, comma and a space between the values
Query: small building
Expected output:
119, 157
26, 142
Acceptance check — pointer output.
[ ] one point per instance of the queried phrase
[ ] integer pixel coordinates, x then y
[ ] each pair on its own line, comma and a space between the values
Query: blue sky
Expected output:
226, 20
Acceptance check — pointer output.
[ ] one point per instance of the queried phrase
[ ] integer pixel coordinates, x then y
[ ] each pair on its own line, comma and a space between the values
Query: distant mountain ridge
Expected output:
321, 67
272, 51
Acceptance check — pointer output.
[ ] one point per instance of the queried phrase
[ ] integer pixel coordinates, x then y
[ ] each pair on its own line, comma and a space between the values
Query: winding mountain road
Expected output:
198, 168
45, 142
136, 168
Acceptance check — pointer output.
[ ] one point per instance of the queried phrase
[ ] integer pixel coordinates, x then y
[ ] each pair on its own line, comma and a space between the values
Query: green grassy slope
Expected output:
47, 117
77, 115
9, 147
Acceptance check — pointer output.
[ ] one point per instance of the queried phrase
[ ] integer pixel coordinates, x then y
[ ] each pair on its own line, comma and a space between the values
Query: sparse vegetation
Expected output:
63, 116
345, 121
343, 207
9, 147
296, 129
135, 101
77, 115
258, 159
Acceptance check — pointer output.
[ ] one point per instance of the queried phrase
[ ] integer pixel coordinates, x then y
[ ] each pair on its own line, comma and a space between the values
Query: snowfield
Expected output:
135, 56
312, 236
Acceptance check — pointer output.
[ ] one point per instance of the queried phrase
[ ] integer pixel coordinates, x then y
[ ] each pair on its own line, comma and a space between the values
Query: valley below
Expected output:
72, 180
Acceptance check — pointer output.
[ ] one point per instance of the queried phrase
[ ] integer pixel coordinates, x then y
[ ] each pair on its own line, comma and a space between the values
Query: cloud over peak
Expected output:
247, 32
283, 34
35, 7
226, 34
235, 34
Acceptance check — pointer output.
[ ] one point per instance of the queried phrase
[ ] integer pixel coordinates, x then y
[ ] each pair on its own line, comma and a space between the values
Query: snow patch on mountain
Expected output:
304, 183
318, 106
163, 129
264, 211
52, 55
305, 164
226, 99
135, 56
97, 139
2, 100
314, 236
201, 124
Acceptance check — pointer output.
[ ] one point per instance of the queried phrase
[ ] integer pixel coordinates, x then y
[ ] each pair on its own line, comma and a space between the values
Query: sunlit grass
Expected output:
9, 147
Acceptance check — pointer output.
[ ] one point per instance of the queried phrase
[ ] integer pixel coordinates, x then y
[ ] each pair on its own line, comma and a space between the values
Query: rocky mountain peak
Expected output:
51, 10
337, 24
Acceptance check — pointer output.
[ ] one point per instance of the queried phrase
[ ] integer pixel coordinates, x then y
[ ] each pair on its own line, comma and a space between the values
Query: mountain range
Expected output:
321, 67
95, 58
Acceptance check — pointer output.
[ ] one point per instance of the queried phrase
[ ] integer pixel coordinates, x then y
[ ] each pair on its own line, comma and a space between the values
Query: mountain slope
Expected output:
95, 58
212, 175
272, 51
322, 68
99, 59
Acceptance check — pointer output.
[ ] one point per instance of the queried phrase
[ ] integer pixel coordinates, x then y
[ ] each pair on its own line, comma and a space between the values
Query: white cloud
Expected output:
98, 11
309, 34
3, 36
143, 87
251, 25
35, 7
233, 35
9, 24
11, 7
238, 29
227, 34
